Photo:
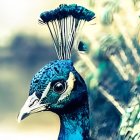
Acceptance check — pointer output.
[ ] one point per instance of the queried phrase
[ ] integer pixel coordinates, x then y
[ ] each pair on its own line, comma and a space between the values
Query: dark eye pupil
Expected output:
59, 87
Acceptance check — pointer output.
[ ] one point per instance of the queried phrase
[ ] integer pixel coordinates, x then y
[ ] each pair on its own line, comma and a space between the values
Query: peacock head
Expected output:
56, 87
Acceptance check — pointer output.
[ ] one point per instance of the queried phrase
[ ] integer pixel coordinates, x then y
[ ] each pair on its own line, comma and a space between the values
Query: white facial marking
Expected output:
70, 85
32, 104
46, 91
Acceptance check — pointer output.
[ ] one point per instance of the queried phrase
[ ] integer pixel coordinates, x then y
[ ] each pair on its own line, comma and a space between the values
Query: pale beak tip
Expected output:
18, 120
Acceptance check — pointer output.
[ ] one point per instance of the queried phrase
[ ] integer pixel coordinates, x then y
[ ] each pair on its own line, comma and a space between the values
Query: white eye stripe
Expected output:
44, 94
70, 85
34, 99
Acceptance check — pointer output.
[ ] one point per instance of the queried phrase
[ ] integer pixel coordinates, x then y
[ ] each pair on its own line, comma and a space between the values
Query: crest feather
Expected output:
64, 24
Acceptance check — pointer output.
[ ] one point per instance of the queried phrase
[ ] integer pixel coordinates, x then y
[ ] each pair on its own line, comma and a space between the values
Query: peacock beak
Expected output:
32, 105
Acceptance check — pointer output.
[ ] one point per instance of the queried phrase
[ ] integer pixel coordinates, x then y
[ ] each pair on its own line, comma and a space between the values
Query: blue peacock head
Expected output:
58, 86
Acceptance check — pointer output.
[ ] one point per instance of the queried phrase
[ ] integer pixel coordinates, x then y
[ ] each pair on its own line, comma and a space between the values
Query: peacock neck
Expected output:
75, 124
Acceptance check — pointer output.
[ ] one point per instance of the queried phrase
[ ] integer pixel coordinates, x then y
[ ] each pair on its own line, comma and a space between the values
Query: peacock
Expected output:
58, 87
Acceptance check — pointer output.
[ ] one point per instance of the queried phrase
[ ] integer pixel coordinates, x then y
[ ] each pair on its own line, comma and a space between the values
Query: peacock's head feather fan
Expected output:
64, 24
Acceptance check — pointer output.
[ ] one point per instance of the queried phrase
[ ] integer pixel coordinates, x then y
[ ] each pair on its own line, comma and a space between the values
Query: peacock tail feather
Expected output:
113, 73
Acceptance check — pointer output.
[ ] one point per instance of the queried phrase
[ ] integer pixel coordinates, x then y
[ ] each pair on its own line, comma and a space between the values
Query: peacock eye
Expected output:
60, 87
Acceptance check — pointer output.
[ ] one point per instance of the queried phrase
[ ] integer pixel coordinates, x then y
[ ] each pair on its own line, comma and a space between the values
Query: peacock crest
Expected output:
65, 24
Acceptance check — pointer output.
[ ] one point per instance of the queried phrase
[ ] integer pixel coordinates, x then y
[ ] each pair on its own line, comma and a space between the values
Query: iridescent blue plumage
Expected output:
58, 87
73, 110
75, 124
53, 71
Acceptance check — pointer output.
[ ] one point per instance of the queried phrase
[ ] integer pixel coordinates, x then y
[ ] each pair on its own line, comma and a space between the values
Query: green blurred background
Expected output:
26, 46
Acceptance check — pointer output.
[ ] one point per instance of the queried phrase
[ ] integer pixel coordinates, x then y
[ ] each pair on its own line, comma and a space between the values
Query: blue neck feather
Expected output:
75, 125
